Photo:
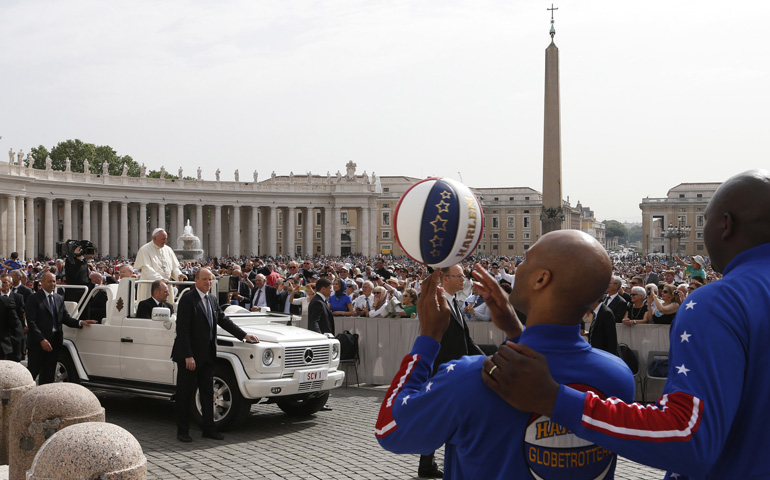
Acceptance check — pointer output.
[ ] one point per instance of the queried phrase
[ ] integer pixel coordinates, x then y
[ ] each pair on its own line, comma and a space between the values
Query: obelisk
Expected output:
552, 215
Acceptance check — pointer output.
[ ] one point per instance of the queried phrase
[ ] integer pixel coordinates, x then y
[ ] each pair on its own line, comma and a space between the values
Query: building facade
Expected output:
683, 206
282, 215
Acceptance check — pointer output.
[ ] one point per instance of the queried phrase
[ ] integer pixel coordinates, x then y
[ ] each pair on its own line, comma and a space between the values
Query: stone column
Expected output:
235, 238
307, 235
123, 229
336, 232
254, 238
327, 229
216, 227
11, 225
179, 222
199, 223
271, 232
87, 221
142, 224
114, 229
67, 224
31, 234
291, 223
364, 228
104, 238
153, 218
49, 245
20, 229
161, 216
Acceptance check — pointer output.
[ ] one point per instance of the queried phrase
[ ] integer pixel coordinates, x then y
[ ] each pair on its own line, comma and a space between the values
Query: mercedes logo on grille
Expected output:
308, 356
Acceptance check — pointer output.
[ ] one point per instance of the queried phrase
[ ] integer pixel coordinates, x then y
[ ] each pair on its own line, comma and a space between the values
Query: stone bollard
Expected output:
40, 413
15, 381
90, 450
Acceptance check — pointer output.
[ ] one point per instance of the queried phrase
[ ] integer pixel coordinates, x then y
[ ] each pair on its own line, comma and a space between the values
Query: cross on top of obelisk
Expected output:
553, 30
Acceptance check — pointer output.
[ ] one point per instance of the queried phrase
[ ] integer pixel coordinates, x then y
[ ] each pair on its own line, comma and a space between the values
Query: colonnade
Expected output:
32, 226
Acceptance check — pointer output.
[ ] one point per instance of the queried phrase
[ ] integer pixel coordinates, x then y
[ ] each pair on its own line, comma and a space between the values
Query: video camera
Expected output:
67, 249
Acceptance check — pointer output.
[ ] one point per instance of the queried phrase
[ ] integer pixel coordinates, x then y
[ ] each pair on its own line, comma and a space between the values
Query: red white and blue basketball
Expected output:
438, 222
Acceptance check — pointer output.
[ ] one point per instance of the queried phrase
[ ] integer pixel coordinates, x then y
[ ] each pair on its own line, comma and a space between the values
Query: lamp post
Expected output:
679, 232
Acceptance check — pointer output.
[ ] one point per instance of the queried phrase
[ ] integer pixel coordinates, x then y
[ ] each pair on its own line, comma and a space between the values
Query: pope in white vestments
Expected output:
157, 261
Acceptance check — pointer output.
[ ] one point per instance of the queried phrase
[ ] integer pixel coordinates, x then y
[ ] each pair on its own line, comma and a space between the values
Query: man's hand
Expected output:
432, 308
251, 338
189, 363
46, 345
500, 308
521, 377
87, 323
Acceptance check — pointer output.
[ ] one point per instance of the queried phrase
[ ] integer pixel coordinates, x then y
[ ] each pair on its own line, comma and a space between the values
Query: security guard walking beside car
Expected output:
195, 351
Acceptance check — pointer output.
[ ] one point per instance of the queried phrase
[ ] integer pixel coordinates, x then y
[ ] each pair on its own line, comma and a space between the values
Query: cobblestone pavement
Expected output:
331, 445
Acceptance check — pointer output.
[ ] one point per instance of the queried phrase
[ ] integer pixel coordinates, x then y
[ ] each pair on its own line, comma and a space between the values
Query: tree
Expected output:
635, 233
78, 152
613, 228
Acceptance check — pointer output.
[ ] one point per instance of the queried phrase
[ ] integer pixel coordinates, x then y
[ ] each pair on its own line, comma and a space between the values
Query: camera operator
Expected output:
76, 271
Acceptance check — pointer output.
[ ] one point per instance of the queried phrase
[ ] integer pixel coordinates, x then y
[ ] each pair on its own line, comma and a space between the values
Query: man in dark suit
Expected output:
16, 333
9, 324
263, 295
319, 315
195, 351
159, 296
614, 300
602, 333
46, 316
650, 276
17, 276
455, 343
288, 290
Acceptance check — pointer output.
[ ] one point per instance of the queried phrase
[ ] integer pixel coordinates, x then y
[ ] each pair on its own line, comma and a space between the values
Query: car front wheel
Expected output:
229, 405
65, 368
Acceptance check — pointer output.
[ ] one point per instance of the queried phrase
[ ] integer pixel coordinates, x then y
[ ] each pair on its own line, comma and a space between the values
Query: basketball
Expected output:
438, 222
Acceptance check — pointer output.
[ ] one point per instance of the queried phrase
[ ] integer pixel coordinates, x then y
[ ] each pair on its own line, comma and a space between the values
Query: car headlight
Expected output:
267, 357
335, 351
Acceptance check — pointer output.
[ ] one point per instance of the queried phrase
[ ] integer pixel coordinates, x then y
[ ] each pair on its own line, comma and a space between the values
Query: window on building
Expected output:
497, 198
318, 219
494, 247
699, 247
494, 212
681, 195
511, 199
344, 217
385, 219
318, 235
280, 235
299, 219
526, 198
511, 222
526, 246
698, 234
511, 236
682, 210
682, 219
280, 218
699, 221
526, 222
510, 247
318, 249
299, 234
495, 236
385, 205
527, 236
699, 195
526, 211
495, 222
385, 235
385, 189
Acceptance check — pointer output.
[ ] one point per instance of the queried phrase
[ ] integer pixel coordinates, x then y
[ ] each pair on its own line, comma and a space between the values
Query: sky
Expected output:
653, 93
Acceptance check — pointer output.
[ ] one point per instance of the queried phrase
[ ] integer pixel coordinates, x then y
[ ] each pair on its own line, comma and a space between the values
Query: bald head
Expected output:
738, 217
564, 273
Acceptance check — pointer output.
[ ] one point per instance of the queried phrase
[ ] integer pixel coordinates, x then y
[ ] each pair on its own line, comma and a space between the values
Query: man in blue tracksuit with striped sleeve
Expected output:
712, 419
484, 436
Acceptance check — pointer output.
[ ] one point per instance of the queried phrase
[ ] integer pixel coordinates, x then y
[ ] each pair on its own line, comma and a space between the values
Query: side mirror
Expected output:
163, 314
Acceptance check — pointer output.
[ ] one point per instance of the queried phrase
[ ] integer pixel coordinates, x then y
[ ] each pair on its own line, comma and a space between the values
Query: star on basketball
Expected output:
446, 195
443, 207
435, 252
436, 223
436, 241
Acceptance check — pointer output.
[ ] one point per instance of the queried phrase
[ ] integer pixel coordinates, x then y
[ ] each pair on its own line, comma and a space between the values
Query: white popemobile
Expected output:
290, 366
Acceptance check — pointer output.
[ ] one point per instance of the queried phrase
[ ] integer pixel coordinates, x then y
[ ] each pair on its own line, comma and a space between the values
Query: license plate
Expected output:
313, 376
